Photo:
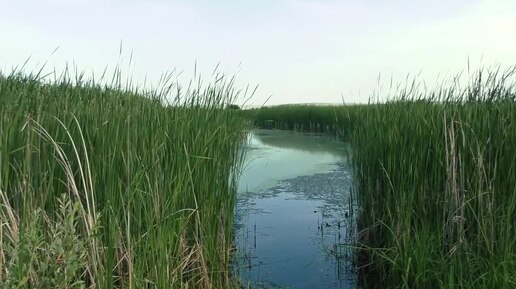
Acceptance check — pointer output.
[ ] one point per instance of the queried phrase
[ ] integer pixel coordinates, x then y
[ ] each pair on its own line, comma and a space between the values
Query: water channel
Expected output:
294, 219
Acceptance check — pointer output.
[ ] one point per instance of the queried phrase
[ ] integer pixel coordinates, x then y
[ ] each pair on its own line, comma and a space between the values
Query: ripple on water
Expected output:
291, 235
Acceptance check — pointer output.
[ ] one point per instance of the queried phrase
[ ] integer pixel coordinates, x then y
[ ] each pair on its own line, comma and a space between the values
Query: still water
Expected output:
294, 214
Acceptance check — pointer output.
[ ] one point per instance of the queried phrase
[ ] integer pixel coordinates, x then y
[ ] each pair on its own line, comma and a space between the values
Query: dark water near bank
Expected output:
294, 213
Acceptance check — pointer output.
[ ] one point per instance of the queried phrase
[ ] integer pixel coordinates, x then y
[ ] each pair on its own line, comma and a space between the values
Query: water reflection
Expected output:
294, 213
274, 155
307, 142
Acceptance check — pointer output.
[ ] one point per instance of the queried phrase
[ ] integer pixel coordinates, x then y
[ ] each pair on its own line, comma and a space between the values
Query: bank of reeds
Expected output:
103, 187
436, 181
332, 119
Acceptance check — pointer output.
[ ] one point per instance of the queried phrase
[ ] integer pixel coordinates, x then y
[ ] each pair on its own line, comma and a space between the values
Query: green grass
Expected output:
337, 120
103, 187
435, 173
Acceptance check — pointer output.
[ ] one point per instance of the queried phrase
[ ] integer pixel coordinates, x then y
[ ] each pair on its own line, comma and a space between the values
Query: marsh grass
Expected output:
116, 188
337, 120
435, 175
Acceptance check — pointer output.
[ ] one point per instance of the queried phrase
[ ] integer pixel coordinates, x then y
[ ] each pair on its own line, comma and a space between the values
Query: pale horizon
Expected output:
295, 51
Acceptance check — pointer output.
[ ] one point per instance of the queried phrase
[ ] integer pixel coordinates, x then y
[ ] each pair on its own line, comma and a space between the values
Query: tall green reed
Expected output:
437, 189
154, 180
435, 176
338, 120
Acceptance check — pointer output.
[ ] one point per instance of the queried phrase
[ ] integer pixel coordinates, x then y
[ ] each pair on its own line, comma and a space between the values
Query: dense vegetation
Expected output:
102, 187
436, 181
112, 188
324, 118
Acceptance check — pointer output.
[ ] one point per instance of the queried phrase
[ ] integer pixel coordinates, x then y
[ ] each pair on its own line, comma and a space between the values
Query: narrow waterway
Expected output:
294, 219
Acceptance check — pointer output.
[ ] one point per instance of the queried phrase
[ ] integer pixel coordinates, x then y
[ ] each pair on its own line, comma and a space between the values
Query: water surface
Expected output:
294, 214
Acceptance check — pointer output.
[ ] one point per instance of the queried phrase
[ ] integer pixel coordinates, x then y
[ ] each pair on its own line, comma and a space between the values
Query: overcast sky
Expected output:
298, 51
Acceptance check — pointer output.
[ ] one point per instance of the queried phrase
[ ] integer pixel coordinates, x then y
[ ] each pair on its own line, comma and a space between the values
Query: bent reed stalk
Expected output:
103, 187
435, 173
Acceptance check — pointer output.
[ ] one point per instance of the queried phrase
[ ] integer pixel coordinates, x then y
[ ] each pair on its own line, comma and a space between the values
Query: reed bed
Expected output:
435, 173
104, 187
331, 119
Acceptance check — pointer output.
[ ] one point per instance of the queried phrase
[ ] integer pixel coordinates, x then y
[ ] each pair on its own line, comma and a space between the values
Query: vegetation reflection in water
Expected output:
293, 213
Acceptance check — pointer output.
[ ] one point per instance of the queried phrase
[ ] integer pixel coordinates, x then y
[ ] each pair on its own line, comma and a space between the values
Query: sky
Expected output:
295, 51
